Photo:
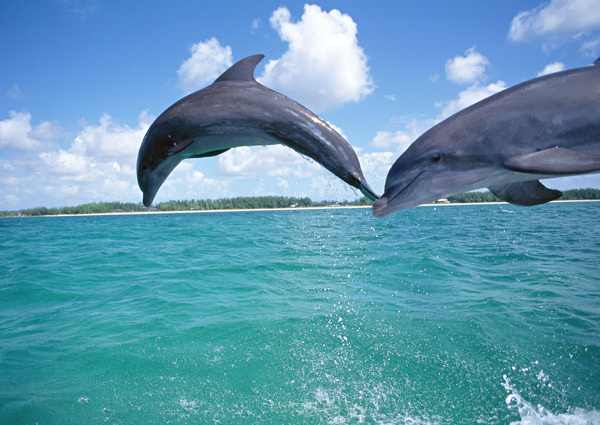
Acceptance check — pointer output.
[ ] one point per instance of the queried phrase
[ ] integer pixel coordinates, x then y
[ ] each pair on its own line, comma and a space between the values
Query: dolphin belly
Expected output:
208, 143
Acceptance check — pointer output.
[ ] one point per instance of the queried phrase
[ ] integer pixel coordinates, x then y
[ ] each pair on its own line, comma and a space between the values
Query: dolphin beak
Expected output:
367, 191
150, 179
380, 209
395, 197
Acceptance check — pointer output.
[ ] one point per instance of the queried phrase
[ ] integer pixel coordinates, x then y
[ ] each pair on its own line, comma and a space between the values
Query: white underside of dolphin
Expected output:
238, 111
544, 128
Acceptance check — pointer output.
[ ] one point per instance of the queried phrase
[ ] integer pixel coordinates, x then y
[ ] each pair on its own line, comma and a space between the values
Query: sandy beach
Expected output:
332, 207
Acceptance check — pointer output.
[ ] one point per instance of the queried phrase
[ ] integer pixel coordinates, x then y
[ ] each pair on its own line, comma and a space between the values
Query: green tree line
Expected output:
240, 203
256, 202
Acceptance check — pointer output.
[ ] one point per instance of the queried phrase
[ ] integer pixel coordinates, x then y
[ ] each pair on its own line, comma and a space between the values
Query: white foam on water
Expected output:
332, 406
538, 415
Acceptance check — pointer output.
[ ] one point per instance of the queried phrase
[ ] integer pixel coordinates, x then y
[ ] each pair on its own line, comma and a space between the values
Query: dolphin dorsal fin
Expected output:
597, 62
242, 70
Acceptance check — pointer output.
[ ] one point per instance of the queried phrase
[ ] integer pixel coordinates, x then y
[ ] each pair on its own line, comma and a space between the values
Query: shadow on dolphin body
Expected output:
543, 128
238, 111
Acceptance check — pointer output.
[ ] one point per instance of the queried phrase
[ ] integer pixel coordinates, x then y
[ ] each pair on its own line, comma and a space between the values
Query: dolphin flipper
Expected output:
209, 154
554, 161
526, 193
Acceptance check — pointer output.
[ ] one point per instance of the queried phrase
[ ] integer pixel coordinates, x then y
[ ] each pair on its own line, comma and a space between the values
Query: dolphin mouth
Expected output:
383, 206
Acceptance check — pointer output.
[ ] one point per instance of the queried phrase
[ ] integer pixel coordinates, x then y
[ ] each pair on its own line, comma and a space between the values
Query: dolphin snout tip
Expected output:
148, 196
379, 207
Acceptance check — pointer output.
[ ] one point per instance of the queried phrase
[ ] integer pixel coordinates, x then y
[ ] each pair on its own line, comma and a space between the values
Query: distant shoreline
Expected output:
443, 204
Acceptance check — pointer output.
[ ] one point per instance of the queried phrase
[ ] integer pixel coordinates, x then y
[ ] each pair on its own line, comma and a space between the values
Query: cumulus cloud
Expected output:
556, 17
111, 141
97, 165
552, 68
16, 132
198, 186
399, 140
100, 162
323, 54
274, 160
467, 69
558, 21
468, 97
207, 61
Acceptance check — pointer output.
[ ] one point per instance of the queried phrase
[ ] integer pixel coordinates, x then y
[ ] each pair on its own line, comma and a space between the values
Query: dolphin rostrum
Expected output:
543, 128
238, 111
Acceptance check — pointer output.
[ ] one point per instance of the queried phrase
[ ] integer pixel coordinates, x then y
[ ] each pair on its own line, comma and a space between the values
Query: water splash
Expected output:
539, 415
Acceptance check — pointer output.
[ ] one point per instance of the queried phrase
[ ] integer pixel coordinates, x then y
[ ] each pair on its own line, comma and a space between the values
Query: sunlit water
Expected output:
435, 315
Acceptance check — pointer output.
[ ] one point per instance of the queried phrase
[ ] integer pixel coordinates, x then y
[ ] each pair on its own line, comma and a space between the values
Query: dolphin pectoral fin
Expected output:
209, 154
554, 161
525, 193
180, 146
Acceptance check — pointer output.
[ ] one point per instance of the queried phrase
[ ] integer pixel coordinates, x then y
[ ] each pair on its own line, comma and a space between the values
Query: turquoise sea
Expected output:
482, 314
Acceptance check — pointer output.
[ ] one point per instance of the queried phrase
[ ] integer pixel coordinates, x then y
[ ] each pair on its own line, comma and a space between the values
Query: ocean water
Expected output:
483, 314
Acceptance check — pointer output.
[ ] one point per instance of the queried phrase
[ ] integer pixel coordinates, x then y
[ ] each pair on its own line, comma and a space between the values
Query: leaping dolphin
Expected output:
238, 111
543, 128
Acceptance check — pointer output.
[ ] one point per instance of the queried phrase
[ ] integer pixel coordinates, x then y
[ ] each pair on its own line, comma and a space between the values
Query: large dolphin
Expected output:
546, 127
238, 111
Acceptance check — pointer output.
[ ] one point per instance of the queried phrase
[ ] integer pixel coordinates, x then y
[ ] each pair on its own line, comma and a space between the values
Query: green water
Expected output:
447, 315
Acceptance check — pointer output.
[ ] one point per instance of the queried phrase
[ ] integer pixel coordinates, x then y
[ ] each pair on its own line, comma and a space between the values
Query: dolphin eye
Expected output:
436, 157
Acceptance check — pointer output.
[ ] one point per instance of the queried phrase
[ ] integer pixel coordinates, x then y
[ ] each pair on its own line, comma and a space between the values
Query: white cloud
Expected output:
283, 184
552, 68
15, 92
559, 21
17, 132
110, 141
98, 165
323, 55
255, 25
591, 47
556, 17
208, 60
467, 69
273, 160
388, 139
198, 186
468, 97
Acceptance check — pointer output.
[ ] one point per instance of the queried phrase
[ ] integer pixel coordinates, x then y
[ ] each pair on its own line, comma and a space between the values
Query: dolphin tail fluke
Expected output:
527, 193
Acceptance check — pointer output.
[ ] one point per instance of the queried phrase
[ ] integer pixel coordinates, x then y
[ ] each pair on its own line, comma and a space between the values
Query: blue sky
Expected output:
81, 81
